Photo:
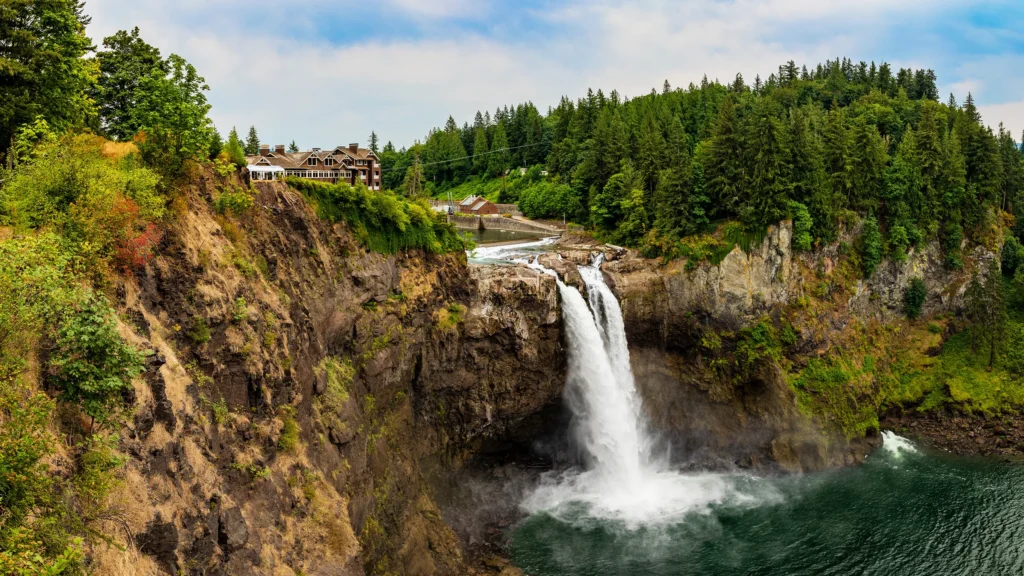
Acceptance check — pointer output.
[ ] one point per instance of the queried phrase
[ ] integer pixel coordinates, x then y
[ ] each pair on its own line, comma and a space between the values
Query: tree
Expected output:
171, 112
413, 184
766, 198
870, 246
293, 147
252, 142
235, 149
914, 296
480, 157
42, 69
123, 66
802, 225
724, 166
986, 309
374, 143
498, 163
216, 144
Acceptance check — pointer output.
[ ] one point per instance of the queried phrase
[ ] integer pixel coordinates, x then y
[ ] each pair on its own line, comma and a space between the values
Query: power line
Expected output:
502, 150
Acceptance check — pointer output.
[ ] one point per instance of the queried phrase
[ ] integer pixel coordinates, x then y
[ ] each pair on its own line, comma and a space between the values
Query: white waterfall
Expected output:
622, 480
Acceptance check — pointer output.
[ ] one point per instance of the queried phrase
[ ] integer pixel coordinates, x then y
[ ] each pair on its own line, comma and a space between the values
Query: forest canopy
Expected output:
834, 144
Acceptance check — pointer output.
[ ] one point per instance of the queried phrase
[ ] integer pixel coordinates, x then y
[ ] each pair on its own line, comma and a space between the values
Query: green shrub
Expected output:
290, 431
199, 333
90, 364
236, 200
241, 311
802, 225
382, 221
914, 296
757, 344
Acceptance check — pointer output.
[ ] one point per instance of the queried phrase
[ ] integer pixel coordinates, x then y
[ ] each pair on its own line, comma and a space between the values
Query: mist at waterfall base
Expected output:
626, 512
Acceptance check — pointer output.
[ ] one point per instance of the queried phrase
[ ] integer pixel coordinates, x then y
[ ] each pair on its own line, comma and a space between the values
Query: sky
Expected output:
327, 72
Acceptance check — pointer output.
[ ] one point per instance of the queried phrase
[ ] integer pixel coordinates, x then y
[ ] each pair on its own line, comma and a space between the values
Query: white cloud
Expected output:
265, 70
1011, 114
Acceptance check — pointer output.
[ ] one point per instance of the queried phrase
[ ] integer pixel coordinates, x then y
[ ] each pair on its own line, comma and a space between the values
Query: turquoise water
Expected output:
901, 513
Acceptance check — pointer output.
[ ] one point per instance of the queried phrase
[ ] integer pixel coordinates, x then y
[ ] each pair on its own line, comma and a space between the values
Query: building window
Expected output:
311, 161
329, 162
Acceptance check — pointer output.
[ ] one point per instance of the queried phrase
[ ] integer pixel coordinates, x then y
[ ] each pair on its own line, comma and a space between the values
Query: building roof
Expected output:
479, 205
297, 160
468, 201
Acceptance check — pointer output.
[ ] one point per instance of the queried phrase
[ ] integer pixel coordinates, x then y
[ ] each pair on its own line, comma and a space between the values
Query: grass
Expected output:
448, 319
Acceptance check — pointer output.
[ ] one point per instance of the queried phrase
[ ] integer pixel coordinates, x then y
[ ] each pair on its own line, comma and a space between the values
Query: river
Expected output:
905, 511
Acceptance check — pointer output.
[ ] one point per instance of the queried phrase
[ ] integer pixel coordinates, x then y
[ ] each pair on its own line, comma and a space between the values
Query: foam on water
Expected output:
623, 479
897, 445
508, 252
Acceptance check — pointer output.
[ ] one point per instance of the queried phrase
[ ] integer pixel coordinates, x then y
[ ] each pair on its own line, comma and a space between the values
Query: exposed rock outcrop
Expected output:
302, 380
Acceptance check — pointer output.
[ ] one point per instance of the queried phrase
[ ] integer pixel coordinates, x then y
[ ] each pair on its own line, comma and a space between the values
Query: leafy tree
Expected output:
1011, 255
606, 210
914, 296
44, 74
171, 112
252, 142
123, 65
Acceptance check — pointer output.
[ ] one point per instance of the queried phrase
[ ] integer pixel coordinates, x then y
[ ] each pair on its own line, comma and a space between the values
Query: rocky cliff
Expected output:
298, 382
692, 327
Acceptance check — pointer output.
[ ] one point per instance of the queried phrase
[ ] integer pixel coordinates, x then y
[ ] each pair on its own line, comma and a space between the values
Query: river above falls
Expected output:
903, 512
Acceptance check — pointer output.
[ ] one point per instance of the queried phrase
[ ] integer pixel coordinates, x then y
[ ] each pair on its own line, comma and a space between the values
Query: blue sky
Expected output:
324, 72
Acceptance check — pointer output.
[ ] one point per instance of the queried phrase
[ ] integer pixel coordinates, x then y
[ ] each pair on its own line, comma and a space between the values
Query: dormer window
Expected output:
311, 161
328, 161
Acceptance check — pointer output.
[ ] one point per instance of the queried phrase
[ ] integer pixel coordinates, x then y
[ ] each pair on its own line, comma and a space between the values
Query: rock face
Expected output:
669, 308
304, 381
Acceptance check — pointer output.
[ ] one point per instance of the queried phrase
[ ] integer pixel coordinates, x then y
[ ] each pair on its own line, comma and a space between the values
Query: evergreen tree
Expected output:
650, 152
252, 142
986, 309
480, 149
868, 162
498, 162
374, 143
293, 147
216, 145
837, 161
870, 246
413, 183
235, 148
724, 166
766, 198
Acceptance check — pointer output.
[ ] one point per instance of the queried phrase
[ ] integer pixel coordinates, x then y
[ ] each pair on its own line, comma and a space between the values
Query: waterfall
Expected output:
622, 480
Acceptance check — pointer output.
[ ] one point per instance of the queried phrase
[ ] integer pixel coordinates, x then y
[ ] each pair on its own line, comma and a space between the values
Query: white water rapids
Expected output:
623, 479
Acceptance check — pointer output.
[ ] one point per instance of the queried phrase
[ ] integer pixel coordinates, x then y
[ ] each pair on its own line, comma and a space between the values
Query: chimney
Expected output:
279, 149
354, 147
264, 149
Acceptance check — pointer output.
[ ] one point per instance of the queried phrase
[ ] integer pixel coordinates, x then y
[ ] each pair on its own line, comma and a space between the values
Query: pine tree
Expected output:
480, 155
765, 200
497, 163
413, 183
293, 147
235, 149
868, 161
837, 161
216, 145
986, 309
374, 142
724, 165
252, 142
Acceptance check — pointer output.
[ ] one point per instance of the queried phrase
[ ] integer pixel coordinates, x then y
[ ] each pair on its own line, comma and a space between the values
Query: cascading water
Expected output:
622, 480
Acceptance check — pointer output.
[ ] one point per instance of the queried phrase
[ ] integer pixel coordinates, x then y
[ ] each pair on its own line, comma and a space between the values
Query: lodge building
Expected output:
349, 164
